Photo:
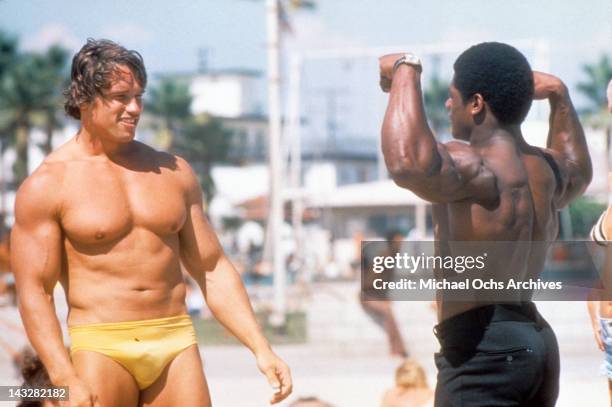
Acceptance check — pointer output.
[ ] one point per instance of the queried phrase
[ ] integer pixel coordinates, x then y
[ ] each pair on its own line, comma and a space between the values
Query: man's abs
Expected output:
138, 280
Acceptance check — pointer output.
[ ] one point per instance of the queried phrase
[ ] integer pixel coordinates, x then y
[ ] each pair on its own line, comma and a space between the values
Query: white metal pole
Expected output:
274, 122
295, 67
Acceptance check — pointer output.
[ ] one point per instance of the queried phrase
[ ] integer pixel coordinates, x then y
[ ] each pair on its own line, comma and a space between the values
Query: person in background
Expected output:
411, 388
381, 312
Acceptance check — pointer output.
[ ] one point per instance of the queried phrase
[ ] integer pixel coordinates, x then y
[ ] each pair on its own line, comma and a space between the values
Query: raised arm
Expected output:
436, 172
36, 259
222, 287
566, 143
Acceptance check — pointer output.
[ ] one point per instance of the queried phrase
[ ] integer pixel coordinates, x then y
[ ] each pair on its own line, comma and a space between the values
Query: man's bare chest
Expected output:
104, 206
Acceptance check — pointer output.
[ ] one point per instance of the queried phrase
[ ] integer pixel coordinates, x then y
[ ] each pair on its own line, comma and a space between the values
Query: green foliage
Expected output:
203, 141
8, 50
584, 213
30, 93
435, 97
211, 332
594, 89
169, 101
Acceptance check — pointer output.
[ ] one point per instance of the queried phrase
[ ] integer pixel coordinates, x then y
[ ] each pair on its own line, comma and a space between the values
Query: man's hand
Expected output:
79, 394
278, 374
386, 64
546, 85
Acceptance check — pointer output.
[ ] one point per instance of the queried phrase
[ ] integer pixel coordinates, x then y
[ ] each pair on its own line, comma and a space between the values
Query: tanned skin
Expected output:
112, 220
495, 187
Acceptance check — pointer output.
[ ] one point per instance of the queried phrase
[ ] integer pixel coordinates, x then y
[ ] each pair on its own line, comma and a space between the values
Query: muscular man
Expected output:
490, 186
113, 220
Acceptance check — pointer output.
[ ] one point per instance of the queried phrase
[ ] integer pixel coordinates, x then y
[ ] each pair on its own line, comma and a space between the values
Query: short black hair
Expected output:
93, 68
501, 74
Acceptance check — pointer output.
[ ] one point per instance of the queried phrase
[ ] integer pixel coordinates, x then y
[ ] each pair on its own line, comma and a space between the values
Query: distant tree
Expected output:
203, 141
169, 102
8, 54
594, 89
54, 79
435, 97
584, 213
30, 94
8, 50
21, 97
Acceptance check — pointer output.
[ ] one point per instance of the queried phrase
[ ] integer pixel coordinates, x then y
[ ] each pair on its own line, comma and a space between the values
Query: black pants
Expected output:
497, 355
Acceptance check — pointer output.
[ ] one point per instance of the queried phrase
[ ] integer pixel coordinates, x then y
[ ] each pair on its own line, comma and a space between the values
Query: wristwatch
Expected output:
408, 59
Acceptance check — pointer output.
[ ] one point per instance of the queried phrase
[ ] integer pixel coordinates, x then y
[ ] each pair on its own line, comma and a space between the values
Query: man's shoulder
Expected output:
162, 158
45, 178
40, 192
182, 166
464, 156
455, 146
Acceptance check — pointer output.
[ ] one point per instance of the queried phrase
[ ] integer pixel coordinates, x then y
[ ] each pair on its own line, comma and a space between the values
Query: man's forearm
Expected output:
44, 332
407, 141
228, 301
566, 137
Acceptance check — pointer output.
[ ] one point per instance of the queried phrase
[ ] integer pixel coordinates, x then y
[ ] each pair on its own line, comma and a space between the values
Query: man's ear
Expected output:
477, 104
84, 108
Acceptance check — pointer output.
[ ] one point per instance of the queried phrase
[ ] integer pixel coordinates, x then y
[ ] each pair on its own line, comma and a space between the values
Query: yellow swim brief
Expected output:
144, 348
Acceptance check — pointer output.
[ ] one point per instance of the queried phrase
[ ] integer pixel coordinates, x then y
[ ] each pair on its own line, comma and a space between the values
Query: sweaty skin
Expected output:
112, 220
496, 187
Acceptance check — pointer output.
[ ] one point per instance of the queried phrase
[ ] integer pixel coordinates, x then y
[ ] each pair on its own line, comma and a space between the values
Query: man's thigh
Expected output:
107, 379
182, 383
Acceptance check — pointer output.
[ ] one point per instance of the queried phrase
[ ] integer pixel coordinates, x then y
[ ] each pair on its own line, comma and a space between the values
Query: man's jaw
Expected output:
129, 123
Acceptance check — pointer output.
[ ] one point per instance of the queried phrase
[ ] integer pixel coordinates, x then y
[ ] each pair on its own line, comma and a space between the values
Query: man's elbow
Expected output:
30, 299
406, 170
582, 178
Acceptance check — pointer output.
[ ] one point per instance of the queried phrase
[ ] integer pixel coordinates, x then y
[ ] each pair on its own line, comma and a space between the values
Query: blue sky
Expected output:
169, 34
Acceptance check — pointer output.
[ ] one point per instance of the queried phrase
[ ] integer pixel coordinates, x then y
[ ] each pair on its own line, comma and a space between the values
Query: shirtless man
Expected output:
112, 220
600, 312
492, 186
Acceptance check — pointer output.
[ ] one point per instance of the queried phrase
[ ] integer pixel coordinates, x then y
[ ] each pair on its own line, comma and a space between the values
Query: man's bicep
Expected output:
36, 241
199, 246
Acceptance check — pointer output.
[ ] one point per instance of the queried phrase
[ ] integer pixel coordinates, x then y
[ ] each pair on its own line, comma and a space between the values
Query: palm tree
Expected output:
169, 101
204, 142
20, 98
8, 50
30, 92
53, 79
435, 96
594, 89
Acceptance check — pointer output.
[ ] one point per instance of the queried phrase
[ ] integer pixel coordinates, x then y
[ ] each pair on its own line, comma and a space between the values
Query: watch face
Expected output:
412, 59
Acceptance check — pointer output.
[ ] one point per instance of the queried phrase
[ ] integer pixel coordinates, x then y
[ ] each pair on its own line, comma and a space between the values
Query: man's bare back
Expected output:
497, 188
494, 194
524, 211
